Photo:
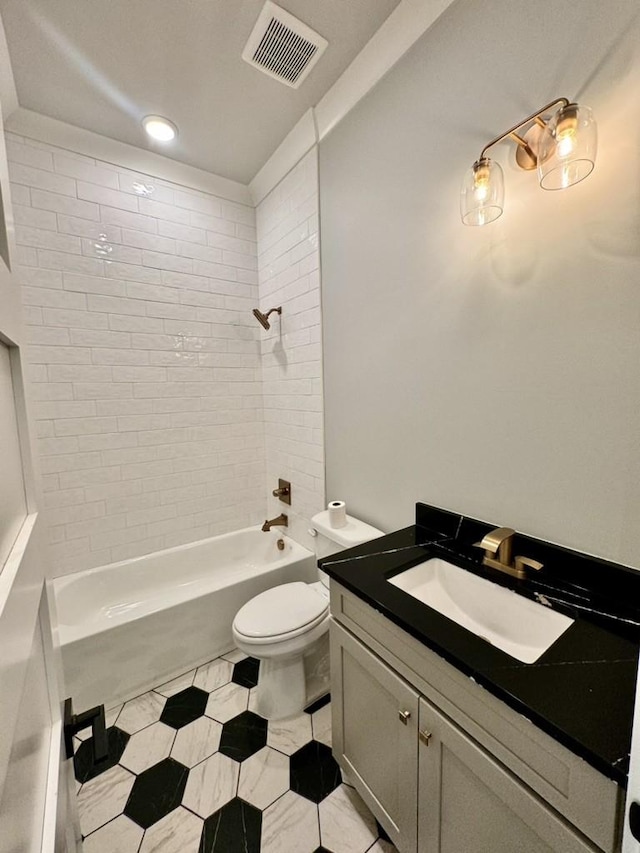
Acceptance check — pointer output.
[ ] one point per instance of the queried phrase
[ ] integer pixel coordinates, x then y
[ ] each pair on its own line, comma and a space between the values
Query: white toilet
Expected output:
287, 628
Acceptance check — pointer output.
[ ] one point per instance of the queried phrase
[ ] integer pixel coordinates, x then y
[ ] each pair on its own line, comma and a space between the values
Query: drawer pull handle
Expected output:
403, 716
425, 737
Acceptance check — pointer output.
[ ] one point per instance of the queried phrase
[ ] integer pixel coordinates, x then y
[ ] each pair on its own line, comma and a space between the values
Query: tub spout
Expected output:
281, 520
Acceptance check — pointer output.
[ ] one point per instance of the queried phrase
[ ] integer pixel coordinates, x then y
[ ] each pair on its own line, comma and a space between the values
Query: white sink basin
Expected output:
518, 626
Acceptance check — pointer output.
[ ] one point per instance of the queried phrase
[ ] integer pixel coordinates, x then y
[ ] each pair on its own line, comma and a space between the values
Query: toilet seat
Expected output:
281, 613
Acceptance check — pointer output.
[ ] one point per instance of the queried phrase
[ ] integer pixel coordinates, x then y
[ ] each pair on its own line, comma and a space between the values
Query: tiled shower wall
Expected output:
289, 275
145, 359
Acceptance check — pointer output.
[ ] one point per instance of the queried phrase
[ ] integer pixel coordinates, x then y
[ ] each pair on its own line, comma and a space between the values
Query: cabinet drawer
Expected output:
577, 791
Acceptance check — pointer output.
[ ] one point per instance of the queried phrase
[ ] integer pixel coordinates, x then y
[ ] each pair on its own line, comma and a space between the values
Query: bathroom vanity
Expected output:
456, 745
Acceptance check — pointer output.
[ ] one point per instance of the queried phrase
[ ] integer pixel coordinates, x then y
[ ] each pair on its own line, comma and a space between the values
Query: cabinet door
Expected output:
375, 725
469, 802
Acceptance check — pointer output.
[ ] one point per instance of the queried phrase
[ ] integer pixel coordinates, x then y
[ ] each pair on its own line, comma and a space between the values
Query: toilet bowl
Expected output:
287, 628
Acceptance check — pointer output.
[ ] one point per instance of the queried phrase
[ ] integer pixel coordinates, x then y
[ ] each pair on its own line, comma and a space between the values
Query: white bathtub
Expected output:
129, 626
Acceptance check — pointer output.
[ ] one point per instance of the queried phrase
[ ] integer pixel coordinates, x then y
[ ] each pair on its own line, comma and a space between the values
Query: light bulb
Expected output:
566, 144
566, 130
481, 179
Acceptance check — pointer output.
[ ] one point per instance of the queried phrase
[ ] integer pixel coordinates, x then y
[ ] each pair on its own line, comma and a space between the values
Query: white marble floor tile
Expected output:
170, 688
264, 777
382, 846
148, 747
290, 734
321, 724
346, 824
118, 836
211, 784
196, 741
235, 656
253, 700
140, 712
227, 702
178, 832
290, 825
104, 797
213, 675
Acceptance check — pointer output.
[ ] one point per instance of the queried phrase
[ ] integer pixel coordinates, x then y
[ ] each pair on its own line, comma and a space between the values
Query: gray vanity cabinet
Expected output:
445, 778
468, 802
376, 734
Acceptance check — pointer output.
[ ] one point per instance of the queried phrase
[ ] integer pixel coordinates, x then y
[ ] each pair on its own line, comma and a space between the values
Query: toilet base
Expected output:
287, 685
281, 688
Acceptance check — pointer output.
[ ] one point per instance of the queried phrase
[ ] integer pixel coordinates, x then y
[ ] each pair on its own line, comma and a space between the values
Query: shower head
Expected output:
263, 318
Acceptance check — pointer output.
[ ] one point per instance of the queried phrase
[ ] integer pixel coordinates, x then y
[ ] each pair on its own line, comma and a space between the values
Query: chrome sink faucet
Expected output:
282, 520
498, 548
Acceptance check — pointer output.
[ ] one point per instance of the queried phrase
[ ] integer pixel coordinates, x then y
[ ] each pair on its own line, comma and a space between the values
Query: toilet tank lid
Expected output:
355, 532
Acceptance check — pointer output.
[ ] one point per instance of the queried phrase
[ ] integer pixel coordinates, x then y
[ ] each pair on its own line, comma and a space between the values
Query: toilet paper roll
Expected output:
337, 513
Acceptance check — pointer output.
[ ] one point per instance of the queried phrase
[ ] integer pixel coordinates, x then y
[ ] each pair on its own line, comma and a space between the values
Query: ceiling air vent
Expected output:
282, 46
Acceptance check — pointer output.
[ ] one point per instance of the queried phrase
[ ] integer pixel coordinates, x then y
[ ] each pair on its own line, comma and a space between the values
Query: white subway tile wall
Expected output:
289, 275
145, 357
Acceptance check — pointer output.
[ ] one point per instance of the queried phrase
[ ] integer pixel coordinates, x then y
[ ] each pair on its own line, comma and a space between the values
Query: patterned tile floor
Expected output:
193, 769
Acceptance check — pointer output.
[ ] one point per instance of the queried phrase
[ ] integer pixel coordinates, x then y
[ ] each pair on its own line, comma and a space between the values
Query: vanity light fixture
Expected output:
562, 149
159, 128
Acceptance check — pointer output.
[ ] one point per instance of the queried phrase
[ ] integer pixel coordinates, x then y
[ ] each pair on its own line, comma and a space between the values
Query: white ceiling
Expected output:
104, 64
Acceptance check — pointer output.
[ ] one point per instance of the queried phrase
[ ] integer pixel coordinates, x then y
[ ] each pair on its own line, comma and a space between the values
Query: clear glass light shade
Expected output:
568, 146
482, 195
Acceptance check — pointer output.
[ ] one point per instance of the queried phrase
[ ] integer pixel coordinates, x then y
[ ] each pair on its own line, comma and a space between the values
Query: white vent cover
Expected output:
282, 46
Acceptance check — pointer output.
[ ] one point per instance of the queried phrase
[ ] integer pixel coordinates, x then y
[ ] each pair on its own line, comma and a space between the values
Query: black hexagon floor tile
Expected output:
235, 828
156, 792
243, 735
246, 672
184, 707
314, 772
86, 768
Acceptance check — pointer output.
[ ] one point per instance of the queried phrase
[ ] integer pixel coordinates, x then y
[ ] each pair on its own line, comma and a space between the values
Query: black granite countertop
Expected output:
581, 690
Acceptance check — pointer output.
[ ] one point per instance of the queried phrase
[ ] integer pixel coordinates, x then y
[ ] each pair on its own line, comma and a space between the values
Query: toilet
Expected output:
287, 628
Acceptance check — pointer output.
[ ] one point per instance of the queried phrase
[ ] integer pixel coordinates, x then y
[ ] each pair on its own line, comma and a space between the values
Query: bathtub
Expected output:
129, 626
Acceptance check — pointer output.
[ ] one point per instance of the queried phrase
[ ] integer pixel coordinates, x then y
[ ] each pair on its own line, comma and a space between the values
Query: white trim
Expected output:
13, 562
8, 93
404, 26
49, 824
291, 150
44, 129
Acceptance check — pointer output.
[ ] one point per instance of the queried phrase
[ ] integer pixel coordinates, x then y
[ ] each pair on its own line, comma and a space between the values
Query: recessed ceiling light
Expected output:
159, 128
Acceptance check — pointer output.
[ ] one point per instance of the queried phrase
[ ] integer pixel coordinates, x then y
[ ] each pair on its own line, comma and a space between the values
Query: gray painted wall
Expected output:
493, 371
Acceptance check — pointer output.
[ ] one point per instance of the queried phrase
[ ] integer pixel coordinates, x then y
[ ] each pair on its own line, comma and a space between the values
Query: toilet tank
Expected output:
330, 540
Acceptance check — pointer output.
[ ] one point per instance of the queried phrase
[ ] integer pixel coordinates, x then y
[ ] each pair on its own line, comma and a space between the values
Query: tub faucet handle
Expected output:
283, 491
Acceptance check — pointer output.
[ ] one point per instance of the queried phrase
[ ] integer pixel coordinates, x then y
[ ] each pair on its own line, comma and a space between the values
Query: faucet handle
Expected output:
526, 562
492, 540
